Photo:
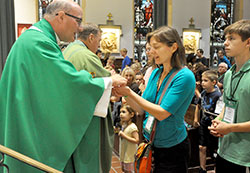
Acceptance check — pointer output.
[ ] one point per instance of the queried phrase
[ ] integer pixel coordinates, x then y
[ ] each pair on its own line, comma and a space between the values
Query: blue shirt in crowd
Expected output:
125, 62
225, 60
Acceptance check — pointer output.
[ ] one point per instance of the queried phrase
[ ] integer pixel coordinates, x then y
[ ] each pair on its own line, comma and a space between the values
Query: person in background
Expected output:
201, 58
151, 64
205, 112
233, 124
110, 66
222, 58
129, 138
81, 53
111, 62
46, 105
110, 69
198, 69
136, 67
191, 58
222, 69
139, 79
106, 57
99, 53
171, 144
136, 60
129, 74
126, 62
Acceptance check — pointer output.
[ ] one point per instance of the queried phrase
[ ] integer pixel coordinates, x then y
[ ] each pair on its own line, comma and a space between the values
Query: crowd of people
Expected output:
62, 100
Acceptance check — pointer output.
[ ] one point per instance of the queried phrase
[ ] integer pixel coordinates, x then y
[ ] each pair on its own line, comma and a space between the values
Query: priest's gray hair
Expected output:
87, 29
58, 5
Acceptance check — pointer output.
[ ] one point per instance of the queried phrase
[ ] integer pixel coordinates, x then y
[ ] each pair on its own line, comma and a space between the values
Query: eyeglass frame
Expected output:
78, 19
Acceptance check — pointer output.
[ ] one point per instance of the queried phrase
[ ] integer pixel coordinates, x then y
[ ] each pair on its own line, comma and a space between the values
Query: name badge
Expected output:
229, 115
149, 124
219, 105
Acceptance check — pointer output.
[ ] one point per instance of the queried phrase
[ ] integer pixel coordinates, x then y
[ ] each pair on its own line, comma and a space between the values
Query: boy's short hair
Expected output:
124, 50
201, 51
241, 27
211, 75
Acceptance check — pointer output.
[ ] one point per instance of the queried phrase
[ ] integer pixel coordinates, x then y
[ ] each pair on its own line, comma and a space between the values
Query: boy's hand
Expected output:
219, 128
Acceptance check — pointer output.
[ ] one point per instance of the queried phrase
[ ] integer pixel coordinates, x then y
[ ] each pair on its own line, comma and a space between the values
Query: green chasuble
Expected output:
98, 159
46, 105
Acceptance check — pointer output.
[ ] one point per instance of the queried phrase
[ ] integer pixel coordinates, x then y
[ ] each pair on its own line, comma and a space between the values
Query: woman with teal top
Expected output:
170, 144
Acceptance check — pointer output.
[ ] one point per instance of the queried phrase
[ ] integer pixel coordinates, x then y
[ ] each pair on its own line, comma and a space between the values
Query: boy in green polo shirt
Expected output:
233, 124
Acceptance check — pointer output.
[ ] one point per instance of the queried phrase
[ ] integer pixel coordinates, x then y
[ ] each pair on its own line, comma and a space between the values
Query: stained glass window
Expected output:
222, 12
143, 24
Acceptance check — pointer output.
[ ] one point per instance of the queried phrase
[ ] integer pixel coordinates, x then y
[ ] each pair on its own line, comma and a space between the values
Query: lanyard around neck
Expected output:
159, 87
231, 91
166, 86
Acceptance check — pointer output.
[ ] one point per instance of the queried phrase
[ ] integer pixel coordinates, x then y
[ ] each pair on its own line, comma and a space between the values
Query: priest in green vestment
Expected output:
46, 105
81, 53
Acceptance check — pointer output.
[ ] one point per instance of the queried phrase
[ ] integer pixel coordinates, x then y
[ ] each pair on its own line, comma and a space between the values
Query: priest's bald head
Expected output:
65, 17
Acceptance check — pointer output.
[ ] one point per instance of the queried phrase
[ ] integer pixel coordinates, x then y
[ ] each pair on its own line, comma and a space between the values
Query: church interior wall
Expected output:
246, 11
122, 11
123, 14
25, 12
183, 10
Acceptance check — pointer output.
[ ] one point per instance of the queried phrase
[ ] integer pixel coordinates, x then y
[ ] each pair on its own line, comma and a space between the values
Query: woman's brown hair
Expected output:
169, 36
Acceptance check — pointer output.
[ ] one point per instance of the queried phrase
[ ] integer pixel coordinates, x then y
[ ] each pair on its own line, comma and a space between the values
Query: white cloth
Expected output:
102, 105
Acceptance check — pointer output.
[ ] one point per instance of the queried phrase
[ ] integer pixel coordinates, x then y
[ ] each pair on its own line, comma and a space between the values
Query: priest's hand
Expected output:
118, 81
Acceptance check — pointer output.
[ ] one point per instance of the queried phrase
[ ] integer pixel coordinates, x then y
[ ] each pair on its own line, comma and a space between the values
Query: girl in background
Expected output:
129, 138
129, 74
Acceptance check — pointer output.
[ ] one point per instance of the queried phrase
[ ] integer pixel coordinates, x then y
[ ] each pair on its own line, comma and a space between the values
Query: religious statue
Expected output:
109, 41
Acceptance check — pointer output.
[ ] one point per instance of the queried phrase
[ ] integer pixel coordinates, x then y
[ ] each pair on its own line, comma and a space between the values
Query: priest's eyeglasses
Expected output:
78, 19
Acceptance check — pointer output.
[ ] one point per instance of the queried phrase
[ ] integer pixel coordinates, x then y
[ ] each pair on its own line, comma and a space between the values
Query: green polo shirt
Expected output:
234, 147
